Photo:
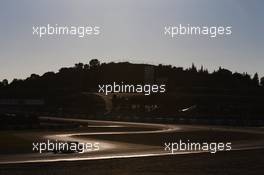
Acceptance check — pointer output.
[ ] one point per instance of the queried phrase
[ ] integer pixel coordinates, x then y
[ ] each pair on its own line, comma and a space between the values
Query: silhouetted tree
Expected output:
5, 82
48, 74
193, 68
15, 80
34, 76
262, 81
201, 69
94, 63
256, 79
79, 66
86, 67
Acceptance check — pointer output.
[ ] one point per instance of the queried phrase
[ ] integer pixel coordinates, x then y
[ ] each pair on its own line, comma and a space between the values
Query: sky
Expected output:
130, 30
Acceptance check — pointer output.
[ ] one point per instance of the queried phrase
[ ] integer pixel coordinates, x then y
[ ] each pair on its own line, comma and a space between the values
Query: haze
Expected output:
130, 31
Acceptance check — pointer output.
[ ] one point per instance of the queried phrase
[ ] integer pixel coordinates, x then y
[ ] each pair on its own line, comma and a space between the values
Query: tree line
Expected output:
86, 77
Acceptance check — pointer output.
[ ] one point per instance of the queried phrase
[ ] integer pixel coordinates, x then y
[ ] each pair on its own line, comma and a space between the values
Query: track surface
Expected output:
111, 148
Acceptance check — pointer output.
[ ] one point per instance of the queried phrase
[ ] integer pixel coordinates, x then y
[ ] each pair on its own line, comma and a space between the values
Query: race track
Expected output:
127, 139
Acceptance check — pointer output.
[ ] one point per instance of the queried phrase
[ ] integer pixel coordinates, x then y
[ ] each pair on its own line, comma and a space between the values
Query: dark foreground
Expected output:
234, 162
